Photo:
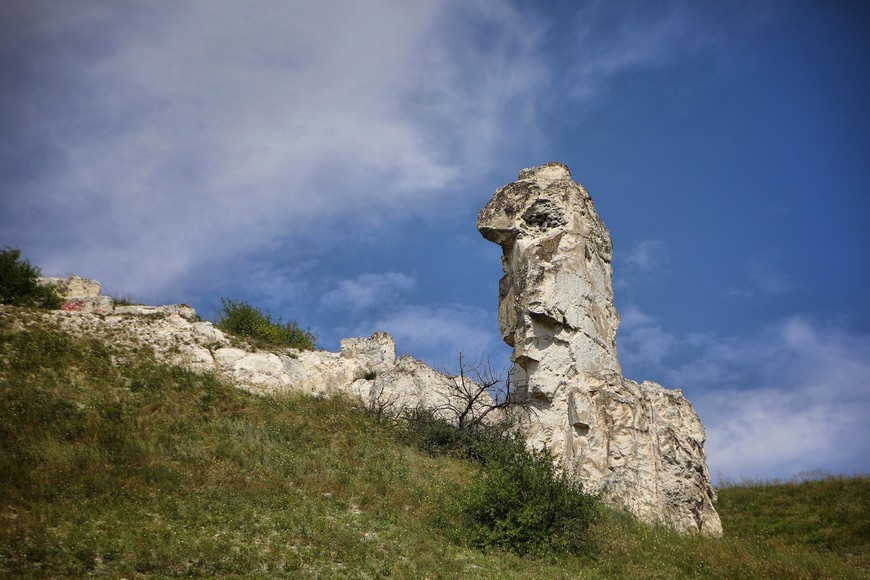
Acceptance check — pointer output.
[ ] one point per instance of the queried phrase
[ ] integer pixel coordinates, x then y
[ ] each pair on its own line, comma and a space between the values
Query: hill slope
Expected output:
113, 463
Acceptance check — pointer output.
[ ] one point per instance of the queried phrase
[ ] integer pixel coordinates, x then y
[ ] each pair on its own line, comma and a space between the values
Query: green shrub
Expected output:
19, 283
523, 503
432, 434
243, 320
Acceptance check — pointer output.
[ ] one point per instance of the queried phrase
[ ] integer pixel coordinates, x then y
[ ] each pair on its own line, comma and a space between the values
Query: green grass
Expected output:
113, 464
257, 326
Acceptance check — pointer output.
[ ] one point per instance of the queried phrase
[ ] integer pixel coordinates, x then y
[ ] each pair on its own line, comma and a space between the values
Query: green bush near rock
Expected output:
522, 502
245, 321
19, 283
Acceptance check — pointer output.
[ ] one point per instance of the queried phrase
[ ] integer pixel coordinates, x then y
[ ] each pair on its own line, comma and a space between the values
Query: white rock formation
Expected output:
80, 294
366, 368
74, 286
640, 445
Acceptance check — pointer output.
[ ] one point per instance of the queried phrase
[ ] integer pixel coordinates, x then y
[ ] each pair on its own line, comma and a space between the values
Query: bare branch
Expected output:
476, 391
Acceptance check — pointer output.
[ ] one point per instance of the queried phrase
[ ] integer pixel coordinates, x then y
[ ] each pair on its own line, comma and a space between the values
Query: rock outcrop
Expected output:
640, 445
365, 368
81, 294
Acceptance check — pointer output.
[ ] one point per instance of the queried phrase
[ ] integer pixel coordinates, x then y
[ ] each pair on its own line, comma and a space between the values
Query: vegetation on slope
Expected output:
245, 321
19, 283
114, 464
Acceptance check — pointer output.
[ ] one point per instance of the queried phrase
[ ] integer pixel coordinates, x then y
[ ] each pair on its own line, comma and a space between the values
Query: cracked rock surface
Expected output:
639, 444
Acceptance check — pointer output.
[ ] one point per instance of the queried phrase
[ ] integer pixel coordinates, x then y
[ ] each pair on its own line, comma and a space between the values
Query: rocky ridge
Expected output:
639, 444
365, 368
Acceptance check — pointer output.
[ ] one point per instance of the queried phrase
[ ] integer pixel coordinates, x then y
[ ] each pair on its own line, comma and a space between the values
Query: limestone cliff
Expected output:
640, 445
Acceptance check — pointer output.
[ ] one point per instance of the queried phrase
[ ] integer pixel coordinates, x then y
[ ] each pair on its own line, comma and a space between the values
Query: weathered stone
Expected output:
257, 371
182, 310
80, 294
89, 305
74, 286
372, 355
195, 357
639, 444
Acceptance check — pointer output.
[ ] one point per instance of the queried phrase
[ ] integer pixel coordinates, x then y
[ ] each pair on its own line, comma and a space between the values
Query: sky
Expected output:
326, 161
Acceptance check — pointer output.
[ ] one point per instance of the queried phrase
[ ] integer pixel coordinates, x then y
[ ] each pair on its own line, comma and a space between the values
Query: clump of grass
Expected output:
124, 299
19, 283
243, 320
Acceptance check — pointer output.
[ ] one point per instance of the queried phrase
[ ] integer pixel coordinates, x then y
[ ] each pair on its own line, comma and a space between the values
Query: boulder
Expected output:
80, 294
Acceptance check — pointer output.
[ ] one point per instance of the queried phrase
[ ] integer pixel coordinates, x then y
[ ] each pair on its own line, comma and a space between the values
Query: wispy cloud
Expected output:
196, 132
368, 290
647, 256
642, 339
611, 38
208, 128
640, 263
808, 410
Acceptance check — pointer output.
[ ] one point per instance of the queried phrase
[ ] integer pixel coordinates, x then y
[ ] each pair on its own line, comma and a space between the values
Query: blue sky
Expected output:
327, 160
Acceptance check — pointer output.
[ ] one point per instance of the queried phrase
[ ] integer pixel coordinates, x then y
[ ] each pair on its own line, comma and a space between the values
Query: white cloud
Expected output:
795, 397
640, 264
367, 291
184, 133
205, 129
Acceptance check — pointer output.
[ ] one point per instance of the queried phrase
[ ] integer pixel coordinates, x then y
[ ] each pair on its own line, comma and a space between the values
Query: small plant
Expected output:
246, 321
124, 299
19, 283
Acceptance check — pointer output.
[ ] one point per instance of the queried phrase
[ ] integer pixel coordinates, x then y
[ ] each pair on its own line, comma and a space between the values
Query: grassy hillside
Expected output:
114, 464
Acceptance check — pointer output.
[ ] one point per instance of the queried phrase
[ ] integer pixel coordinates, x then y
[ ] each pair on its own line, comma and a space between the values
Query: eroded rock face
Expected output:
641, 445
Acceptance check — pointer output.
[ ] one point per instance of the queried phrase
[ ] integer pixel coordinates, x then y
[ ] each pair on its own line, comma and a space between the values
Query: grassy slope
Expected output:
138, 468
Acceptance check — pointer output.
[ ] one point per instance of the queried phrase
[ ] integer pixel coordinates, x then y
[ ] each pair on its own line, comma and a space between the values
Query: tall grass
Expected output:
113, 464
245, 321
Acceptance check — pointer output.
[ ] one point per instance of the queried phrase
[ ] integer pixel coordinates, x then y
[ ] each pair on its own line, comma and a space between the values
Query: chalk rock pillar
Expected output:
640, 445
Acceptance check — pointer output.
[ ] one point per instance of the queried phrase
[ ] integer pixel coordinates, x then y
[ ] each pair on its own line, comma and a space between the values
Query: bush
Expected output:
19, 283
523, 503
244, 320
